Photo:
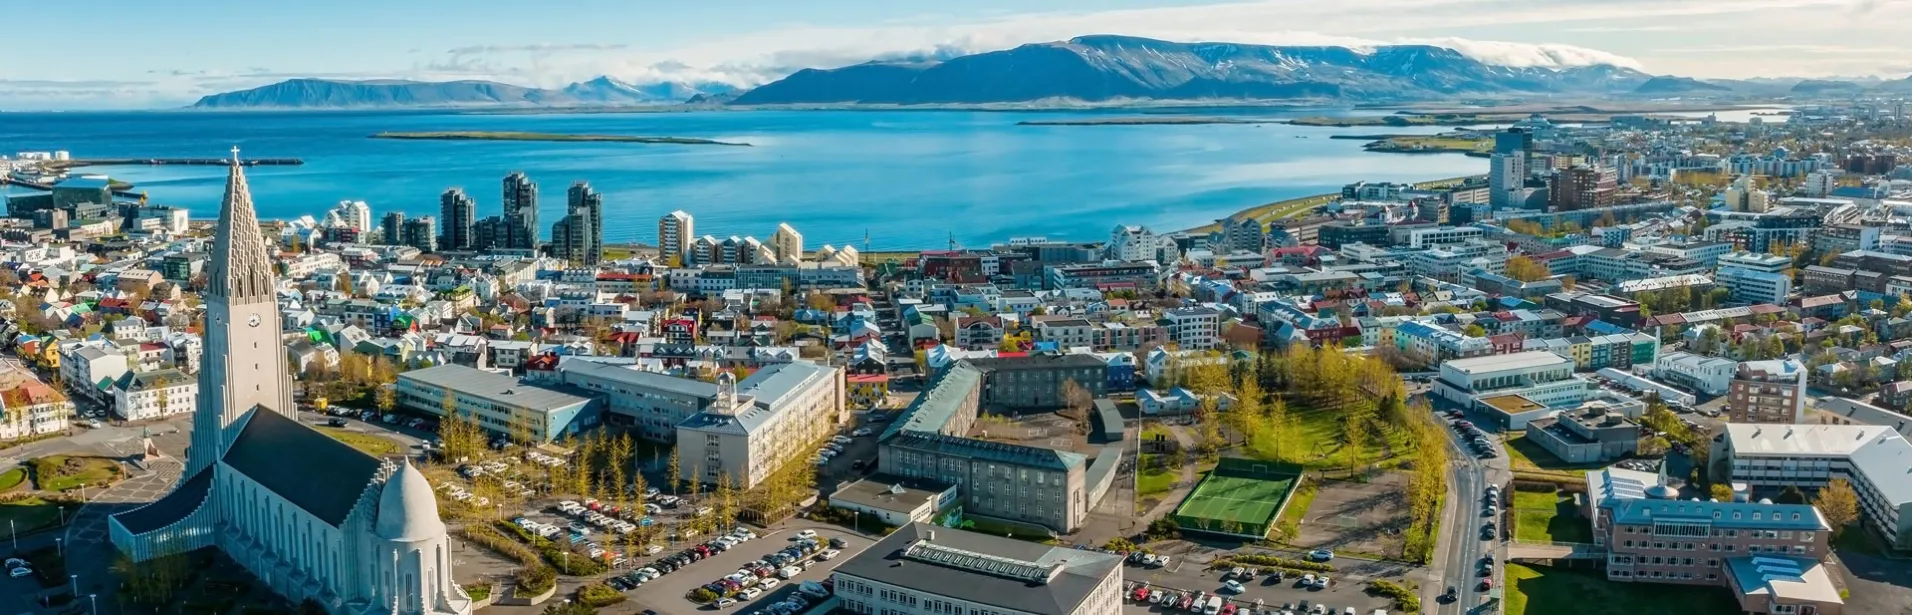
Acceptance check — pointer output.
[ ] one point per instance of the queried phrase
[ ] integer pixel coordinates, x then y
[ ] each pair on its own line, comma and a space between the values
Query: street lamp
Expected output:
15, 533
93, 601
76, 583
60, 546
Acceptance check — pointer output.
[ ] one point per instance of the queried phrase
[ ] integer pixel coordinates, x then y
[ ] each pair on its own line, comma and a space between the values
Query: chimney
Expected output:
929, 535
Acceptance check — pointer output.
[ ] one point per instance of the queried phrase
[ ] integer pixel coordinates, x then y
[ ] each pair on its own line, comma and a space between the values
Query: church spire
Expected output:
240, 267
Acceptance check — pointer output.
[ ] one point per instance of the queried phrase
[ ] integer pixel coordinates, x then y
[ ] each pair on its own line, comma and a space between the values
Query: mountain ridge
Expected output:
308, 93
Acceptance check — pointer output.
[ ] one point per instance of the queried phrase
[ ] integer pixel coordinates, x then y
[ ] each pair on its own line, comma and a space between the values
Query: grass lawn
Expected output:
1528, 456
29, 514
1547, 517
1435, 142
1289, 524
1314, 441
1546, 591
1017, 531
12, 478
52, 474
368, 443
1154, 480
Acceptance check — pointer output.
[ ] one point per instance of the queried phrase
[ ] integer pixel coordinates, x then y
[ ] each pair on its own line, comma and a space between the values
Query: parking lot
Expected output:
1273, 594
666, 594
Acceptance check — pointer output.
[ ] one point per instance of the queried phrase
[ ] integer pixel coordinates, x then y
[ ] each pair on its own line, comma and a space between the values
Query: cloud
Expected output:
1639, 28
536, 48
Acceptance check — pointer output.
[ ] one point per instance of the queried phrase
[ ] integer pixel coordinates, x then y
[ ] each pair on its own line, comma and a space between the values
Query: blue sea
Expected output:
904, 179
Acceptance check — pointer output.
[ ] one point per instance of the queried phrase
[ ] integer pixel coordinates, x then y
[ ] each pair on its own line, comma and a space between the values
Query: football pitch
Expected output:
1230, 503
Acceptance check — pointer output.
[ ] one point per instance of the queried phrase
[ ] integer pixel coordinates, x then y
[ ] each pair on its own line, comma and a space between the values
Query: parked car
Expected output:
1321, 555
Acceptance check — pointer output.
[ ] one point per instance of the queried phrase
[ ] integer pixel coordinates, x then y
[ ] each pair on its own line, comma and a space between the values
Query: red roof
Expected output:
866, 378
543, 362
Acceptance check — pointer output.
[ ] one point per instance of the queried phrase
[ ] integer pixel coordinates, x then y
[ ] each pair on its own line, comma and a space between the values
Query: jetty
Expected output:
102, 162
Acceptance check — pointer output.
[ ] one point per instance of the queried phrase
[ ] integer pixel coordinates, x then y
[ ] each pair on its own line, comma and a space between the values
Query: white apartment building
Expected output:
923, 569
29, 407
1193, 328
1709, 375
1446, 262
155, 394
90, 367
501, 405
776, 416
1423, 238
1138, 243
651, 403
674, 236
1871, 457
1065, 331
1755, 278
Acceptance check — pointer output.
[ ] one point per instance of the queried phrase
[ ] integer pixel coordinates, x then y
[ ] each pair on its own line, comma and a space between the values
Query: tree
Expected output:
570, 607
672, 476
1839, 504
1078, 400
1526, 269
1721, 492
1791, 495
1473, 330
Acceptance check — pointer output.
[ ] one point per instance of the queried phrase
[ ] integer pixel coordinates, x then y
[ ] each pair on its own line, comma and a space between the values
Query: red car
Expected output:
1486, 584
1229, 609
1141, 593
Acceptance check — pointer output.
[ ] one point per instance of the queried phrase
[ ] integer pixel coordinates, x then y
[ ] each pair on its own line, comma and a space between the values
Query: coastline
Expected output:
547, 137
1290, 208
1148, 121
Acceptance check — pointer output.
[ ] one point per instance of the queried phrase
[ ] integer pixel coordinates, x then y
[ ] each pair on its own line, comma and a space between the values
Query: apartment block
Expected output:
1870, 457
756, 427
1767, 392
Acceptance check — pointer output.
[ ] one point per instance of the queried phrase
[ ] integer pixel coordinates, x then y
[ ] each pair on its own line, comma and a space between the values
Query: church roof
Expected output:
407, 509
309, 469
169, 508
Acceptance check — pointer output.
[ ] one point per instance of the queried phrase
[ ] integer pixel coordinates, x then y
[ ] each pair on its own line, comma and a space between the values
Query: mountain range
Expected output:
395, 93
1093, 69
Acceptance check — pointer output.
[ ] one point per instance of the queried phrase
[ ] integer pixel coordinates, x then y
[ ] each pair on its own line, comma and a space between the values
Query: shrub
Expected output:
1163, 528
1255, 559
1121, 544
575, 564
701, 596
478, 591
1404, 598
599, 595
536, 579
488, 537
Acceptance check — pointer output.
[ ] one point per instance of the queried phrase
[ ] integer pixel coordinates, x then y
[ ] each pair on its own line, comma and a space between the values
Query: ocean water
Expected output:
903, 179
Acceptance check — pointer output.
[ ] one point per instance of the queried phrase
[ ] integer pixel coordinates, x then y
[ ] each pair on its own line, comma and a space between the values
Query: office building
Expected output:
1516, 387
786, 245
421, 233
777, 416
922, 569
310, 517
502, 405
1767, 392
579, 236
1873, 458
457, 214
1507, 169
1036, 381
1586, 435
520, 213
1020, 483
392, 231
1769, 555
675, 232
1583, 187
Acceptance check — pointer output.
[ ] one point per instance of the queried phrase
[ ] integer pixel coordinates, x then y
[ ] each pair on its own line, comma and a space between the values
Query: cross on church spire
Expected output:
235, 155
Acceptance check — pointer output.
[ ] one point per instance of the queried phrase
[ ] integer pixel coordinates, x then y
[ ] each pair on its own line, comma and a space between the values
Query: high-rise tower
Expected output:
674, 236
457, 212
521, 212
244, 363
579, 237
787, 245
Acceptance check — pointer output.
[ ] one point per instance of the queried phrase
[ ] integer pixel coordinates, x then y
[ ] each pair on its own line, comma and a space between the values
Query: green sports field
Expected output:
1233, 500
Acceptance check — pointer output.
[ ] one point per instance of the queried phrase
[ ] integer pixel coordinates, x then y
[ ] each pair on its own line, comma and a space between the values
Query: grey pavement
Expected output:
1345, 591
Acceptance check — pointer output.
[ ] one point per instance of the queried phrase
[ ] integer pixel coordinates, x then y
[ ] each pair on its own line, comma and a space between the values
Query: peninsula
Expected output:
1146, 121
478, 135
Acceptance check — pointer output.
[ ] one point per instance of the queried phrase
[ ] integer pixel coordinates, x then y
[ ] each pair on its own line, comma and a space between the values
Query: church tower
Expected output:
244, 364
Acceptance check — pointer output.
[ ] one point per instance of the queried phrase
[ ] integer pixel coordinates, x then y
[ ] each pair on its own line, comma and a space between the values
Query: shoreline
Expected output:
1148, 121
475, 135
1290, 208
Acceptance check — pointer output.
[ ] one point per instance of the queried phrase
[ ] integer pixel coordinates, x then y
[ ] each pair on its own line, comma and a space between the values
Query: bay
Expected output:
904, 179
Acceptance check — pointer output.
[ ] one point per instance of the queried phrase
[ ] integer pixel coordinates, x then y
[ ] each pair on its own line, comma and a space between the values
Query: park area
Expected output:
1542, 517
63, 472
1548, 591
1239, 497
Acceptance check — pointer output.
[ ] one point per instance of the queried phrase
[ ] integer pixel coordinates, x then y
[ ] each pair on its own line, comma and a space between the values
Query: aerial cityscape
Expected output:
1068, 309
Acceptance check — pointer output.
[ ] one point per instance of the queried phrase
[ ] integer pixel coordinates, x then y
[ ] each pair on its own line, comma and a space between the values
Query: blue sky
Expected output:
140, 53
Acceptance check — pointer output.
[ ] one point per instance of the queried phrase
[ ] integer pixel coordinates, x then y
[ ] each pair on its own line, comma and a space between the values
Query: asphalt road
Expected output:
1464, 543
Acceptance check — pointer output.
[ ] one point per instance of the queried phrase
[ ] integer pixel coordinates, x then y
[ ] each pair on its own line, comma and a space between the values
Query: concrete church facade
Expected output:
312, 517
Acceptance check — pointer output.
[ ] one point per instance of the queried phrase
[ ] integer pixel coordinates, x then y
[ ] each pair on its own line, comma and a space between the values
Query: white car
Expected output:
767, 583
860, 432
751, 594
19, 572
806, 534
828, 555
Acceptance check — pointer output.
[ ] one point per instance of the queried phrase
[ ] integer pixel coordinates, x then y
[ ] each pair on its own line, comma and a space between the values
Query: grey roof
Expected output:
1002, 572
890, 492
1039, 361
766, 389
945, 396
649, 380
1013, 454
323, 476
169, 508
495, 387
